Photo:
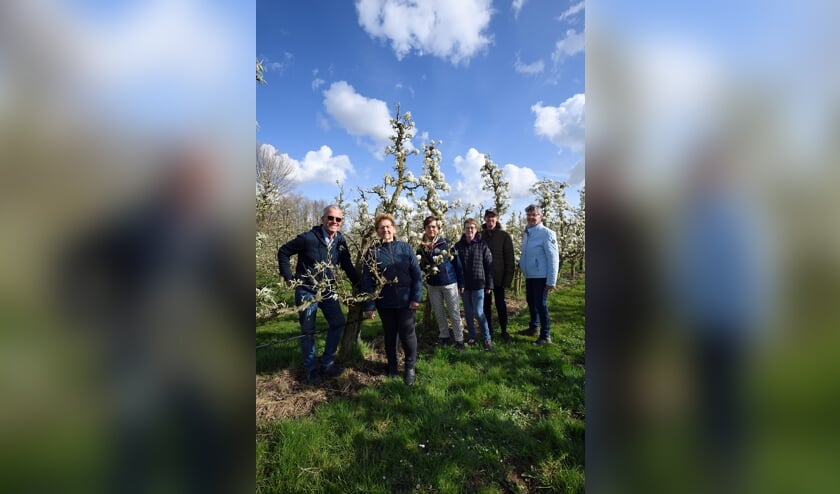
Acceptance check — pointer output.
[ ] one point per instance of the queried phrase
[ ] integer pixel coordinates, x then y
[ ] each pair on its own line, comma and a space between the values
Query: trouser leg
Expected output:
408, 337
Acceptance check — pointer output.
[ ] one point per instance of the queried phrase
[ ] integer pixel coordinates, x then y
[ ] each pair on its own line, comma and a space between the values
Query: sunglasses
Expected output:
337, 219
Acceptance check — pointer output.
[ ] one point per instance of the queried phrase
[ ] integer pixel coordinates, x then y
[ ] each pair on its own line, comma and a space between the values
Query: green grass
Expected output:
510, 420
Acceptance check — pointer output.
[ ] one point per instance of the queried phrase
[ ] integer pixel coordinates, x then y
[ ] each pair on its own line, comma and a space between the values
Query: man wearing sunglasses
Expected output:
323, 243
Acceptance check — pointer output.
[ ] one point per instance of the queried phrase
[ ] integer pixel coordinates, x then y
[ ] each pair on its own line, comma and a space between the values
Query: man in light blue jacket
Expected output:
539, 263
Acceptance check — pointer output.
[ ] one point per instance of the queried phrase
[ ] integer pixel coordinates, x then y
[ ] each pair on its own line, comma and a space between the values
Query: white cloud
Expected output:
574, 9
452, 30
520, 178
399, 86
317, 166
564, 124
517, 6
323, 122
280, 66
577, 175
360, 116
572, 44
317, 82
322, 166
528, 68
468, 188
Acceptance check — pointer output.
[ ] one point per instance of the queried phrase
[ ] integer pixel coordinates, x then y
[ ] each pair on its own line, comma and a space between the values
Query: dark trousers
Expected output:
537, 298
399, 322
720, 368
501, 308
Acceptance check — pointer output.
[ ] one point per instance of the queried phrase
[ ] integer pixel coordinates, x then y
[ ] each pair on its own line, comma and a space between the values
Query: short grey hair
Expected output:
533, 208
326, 209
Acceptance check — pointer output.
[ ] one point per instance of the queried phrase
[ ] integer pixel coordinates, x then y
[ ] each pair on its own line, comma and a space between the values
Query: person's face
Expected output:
385, 229
470, 230
431, 229
491, 221
533, 218
332, 220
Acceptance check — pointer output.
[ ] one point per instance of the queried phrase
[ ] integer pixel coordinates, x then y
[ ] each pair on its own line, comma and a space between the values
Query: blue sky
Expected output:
500, 77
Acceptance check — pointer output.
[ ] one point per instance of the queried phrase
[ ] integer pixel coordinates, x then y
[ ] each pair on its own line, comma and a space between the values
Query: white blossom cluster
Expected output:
438, 257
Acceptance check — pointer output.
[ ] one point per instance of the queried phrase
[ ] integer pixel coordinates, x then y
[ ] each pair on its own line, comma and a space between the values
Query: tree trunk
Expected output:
517, 281
352, 332
428, 317
353, 329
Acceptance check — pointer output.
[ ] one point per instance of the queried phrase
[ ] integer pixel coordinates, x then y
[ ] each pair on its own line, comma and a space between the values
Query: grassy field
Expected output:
508, 420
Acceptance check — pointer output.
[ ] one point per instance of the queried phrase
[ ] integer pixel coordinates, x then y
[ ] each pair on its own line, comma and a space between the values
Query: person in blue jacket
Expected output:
323, 243
539, 263
391, 264
444, 281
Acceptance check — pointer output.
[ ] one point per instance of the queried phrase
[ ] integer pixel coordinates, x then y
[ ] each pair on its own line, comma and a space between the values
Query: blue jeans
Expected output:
335, 320
537, 297
474, 309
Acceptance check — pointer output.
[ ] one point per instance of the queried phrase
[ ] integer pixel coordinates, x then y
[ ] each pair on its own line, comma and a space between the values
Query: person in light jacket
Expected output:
539, 263
393, 262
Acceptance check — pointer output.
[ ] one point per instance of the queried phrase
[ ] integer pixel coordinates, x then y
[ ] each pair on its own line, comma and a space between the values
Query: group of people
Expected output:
478, 268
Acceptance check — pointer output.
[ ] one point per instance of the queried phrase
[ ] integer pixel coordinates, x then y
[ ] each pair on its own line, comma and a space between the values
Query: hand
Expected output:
461, 291
488, 291
414, 305
549, 288
370, 314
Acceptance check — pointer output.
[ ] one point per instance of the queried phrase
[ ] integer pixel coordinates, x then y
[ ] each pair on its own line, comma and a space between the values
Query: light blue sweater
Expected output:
540, 254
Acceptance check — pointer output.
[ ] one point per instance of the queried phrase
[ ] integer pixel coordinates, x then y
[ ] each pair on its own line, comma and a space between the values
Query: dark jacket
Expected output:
393, 260
477, 261
448, 271
311, 248
501, 246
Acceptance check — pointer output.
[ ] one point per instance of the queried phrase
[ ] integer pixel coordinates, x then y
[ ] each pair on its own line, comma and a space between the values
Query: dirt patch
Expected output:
515, 482
286, 394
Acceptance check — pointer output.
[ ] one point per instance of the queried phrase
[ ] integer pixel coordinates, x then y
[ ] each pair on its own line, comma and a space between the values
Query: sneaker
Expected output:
459, 345
506, 337
543, 341
443, 341
528, 332
313, 378
488, 345
409, 377
332, 371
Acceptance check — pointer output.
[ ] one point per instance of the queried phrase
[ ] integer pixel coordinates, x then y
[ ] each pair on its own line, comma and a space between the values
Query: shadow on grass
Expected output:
438, 442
